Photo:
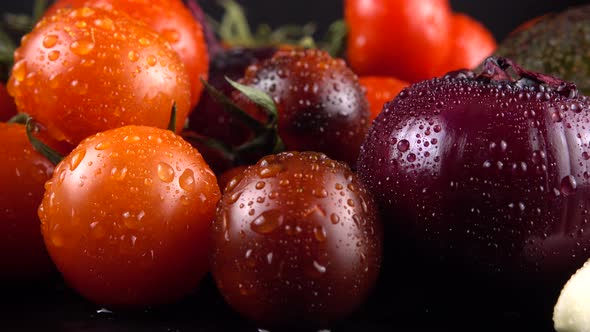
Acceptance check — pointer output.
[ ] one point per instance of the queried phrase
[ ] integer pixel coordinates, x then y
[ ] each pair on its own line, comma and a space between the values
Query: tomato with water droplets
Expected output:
23, 172
82, 71
126, 217
321, 105
379, 91
172, 20
296, 240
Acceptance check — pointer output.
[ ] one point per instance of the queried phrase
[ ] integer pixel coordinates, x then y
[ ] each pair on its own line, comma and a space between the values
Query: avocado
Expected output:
556, 44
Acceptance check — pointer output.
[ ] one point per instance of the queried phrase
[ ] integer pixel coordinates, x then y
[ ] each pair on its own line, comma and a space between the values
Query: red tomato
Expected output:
471, 44
7, 105
170, 18
23, 172
126, 217
380, 90
86, 70
407, 39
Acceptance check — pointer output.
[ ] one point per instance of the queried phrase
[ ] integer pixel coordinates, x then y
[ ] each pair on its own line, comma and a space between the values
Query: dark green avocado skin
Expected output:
558, 45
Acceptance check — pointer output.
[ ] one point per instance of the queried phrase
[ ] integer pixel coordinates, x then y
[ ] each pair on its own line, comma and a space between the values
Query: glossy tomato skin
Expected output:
7, 105
406, 39
126, 217
23, 172
296, 240
321, 105
172, 20
379, 91
82, 71
471, 43
486, 176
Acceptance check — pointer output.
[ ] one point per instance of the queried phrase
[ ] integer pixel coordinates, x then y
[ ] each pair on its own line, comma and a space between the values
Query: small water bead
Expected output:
82, 47
165, 172
403, 145
50, 40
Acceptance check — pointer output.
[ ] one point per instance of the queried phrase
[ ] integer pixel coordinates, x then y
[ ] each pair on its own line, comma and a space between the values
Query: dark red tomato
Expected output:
296, 240
229, 175
172, 20
380, 90
407, 39
471, 44
86, 70
126, 217
23, 172
7, 105
321, 105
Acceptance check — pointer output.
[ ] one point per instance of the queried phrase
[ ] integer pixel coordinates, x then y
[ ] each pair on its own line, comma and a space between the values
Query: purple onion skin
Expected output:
486, 176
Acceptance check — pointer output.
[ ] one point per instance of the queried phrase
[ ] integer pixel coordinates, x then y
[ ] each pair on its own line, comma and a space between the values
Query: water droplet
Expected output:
334, 218
53, 55
403, 145
82, 46
270, 171
151, 60
187, 180
50, 40
165, 172
144, 41
105, 23
119, 174
586, 155
320, 234
437, 129
102, 146
267, 222
320, 268
260, 185
76, 158
133, 56
568, 185
320, 193
411, 157
171, 35
19, 70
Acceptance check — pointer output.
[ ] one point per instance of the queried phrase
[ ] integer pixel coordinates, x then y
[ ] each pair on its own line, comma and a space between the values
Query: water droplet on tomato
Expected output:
171, 35
50, 40
82, 46
119, 173
53, 55
19, 70
76, 158
320, 234
260, 185
267, 222
133, 56
151, 60
320, 268
165, 172
102, 146
187, 180
334, 218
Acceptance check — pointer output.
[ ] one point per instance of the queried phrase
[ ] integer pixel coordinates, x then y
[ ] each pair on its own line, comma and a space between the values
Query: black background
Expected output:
500, 16
52, 307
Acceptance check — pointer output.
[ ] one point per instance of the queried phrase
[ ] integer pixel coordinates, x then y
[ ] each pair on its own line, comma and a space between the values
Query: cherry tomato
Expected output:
126, 217
380, 90
23, 172
296, 240
471, 44
82, 71
171, 19
228, 175
7, 105
407, 39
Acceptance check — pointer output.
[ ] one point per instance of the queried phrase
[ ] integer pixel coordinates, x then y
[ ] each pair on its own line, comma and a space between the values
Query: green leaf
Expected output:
20, 118
234, 27
234, 110
335, 40
258, 97
52, 155
172, 121
225, 150
39, 8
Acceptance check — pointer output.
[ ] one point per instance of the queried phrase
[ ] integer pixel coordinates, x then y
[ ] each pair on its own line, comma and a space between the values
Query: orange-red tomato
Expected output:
23, 172
7, 105
471, 44
126, 217
407, 39
170, 18
86, 70
380, 90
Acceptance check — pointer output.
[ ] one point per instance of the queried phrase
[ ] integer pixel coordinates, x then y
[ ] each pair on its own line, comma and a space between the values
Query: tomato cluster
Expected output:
256, 180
